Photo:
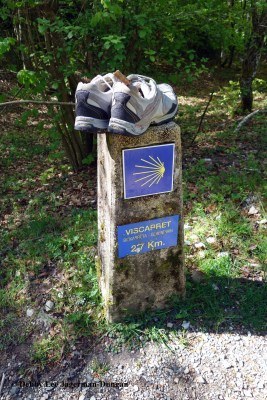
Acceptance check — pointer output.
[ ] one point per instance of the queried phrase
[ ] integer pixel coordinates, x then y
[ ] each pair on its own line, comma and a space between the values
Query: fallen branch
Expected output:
2, 382
247, 118
202, 118
55, 103
16, 95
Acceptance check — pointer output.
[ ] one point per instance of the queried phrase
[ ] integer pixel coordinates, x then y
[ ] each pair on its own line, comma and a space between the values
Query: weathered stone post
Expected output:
140, 226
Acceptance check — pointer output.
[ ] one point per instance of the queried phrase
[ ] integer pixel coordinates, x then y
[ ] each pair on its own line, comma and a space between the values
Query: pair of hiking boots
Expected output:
120, 105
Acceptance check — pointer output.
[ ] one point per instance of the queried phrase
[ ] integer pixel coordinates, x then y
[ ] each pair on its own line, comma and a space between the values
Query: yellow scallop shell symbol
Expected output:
153, 171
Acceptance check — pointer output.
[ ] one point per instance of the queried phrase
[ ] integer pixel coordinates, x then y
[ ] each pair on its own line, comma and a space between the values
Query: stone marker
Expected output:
140, 228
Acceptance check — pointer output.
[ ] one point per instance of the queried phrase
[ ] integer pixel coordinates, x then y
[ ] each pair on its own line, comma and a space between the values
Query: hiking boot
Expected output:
93, 103
140, 104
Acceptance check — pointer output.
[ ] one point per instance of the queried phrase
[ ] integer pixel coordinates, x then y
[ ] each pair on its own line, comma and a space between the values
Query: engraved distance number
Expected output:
152, 245
136, 248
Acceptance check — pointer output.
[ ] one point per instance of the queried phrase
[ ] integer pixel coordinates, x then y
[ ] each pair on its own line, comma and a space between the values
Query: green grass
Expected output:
45, 246
10, 331
47, 350
99, 368
49, 246
217, 197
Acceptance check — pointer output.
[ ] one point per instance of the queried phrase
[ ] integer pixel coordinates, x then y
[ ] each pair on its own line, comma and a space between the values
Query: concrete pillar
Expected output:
140, 227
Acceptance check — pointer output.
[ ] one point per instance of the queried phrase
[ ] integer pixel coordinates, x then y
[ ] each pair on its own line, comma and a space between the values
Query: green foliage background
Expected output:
51, 44
131, 35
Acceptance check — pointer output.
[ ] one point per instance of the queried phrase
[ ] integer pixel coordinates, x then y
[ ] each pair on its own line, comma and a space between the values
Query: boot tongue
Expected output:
141, 88
145, 89
121, 87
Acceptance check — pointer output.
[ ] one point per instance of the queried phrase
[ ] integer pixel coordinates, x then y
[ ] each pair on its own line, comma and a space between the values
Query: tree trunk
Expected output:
231, 56
252, 57
76, 145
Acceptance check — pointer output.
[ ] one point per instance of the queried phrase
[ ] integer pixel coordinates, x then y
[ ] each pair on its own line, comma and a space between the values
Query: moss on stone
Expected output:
98, 267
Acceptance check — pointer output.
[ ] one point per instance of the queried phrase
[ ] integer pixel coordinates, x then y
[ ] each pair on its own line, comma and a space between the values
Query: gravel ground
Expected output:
227, 366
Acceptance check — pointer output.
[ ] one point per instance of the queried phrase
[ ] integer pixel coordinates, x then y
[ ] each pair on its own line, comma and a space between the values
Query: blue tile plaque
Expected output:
148, 170
150, 235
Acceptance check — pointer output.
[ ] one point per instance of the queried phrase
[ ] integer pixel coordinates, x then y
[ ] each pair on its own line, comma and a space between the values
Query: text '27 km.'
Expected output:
145, 236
